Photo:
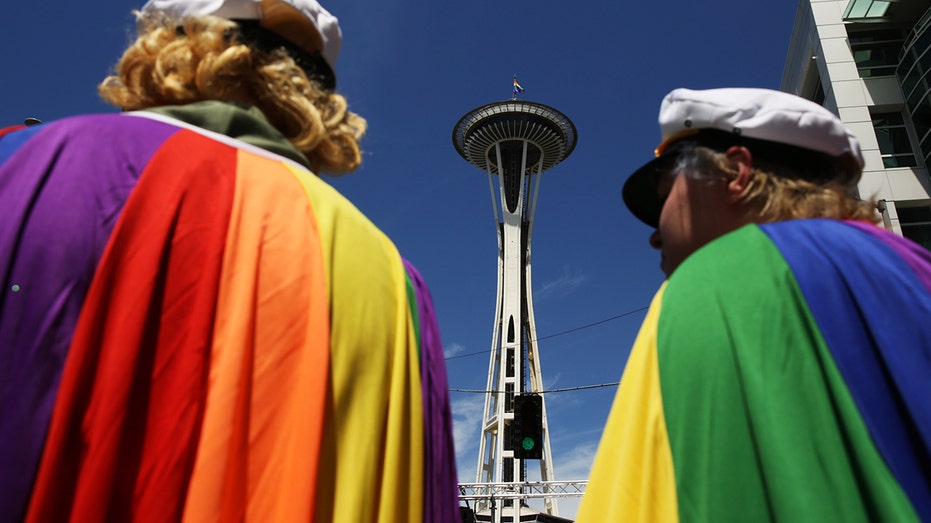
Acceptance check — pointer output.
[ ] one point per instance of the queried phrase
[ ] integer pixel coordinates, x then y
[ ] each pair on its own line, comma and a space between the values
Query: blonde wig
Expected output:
205, 59
779, 192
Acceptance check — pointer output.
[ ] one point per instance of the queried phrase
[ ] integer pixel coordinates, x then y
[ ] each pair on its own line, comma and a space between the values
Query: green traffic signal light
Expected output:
526, 438
528, 443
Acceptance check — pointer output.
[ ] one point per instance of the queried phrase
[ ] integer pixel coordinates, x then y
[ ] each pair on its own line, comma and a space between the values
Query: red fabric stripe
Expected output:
10, 129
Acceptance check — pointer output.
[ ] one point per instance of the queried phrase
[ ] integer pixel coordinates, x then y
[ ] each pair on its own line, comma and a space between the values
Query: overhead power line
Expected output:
567, 389
558, 333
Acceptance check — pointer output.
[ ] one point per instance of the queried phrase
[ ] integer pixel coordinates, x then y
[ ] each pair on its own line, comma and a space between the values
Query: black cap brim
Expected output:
314, 65
640, 190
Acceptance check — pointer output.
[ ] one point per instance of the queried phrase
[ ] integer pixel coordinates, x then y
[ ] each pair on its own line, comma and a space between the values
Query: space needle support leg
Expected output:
534, 367
488, 467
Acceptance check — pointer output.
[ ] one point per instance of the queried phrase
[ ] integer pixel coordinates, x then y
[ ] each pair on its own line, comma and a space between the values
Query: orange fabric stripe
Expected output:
260, 444
123, 434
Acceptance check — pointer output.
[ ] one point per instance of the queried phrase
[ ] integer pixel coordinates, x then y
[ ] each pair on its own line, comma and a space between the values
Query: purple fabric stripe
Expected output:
61, 193
441, 501
917, 257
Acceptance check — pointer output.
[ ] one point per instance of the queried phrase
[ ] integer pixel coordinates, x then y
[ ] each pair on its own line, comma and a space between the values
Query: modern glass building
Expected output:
869, 61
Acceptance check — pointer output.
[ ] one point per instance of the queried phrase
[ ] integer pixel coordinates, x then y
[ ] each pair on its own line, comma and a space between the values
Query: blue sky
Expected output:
413, 68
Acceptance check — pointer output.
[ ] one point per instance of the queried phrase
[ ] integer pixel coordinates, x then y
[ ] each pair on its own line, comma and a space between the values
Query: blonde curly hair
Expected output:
778, 192
205, 59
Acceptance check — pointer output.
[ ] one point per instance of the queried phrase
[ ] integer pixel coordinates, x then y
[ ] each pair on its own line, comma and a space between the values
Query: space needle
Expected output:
514, 142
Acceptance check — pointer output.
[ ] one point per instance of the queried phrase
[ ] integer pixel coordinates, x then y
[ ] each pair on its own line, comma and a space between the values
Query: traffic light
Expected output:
527, 427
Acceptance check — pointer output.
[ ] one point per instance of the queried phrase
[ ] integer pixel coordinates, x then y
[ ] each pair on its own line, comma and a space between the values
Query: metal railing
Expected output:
522, 490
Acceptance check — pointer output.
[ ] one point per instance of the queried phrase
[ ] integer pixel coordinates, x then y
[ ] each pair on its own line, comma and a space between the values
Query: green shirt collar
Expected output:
239, 121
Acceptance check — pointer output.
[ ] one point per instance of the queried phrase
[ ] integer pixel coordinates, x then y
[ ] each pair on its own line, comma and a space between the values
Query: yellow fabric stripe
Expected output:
632, 478
262, 427
372, 460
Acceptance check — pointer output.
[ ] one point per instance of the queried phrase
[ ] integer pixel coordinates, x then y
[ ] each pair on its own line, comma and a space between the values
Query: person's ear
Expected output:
742, 161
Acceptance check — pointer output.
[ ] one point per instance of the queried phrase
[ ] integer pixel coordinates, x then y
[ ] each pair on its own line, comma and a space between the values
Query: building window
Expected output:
916, 224
818, 96
876, 52
863, 9
894, 144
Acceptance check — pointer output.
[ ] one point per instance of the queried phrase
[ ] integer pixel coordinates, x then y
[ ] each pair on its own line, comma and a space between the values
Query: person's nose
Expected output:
656, 241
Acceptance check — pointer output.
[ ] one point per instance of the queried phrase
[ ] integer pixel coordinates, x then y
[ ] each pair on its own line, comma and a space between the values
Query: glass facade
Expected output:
916, 224
913, 75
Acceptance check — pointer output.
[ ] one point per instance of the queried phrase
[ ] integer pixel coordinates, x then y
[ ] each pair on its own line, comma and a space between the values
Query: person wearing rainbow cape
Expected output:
783, 371
193, 325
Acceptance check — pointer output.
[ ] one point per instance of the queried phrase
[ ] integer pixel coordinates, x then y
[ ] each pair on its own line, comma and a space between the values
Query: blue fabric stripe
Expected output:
9, 143
875, 316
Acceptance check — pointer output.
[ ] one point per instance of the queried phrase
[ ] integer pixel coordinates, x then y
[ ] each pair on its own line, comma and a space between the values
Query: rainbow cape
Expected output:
783, 373
195, 329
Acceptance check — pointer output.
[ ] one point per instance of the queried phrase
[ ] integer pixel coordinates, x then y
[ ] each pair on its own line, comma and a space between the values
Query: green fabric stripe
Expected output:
415, 314
761, 424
